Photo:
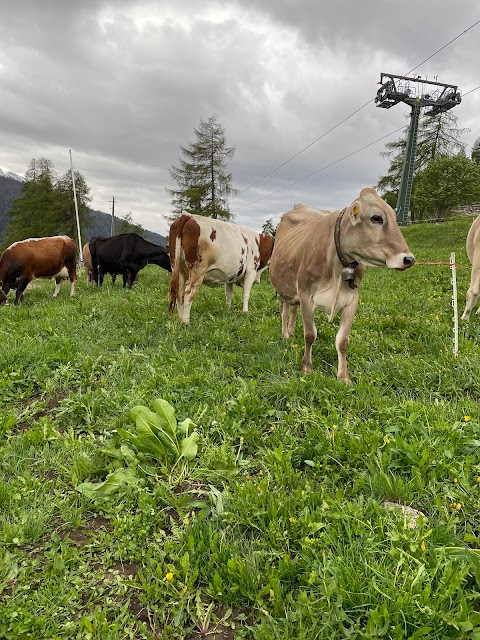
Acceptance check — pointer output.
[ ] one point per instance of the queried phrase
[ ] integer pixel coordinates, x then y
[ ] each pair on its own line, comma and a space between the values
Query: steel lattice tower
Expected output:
395, 89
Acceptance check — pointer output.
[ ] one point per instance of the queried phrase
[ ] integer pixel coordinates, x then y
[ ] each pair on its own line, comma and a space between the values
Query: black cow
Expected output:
127, 254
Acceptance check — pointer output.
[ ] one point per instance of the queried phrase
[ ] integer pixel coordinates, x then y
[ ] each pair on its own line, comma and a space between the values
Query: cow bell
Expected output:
348, 275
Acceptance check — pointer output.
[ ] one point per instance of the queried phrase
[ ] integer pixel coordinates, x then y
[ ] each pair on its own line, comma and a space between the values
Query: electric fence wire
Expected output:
345, 120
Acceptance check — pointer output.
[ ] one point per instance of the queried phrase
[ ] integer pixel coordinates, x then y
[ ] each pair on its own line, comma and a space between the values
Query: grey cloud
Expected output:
125, 89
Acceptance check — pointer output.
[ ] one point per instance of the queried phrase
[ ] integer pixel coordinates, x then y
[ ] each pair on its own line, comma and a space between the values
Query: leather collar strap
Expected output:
348, 271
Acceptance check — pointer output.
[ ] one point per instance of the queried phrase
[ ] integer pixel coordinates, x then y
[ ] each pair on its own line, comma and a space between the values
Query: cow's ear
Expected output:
354, 211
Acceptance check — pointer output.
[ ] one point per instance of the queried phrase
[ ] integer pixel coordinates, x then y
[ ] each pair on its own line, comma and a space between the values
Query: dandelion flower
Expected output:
293, 520
387, 440
423, 546
467, 418
169, 576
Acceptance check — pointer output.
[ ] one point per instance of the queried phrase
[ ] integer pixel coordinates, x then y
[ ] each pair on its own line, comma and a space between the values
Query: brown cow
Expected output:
473, 252
319, 260
215, 253
87, 263
53, 257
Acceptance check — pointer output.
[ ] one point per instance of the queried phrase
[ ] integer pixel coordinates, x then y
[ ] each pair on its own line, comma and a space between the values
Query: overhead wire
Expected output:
348, 118
471, 91
319, 170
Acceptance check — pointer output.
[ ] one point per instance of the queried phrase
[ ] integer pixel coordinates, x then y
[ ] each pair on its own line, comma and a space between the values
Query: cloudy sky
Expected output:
124, 83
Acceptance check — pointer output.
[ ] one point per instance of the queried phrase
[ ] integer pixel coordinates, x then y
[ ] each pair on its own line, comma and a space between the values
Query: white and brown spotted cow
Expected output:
319, 260
215, 253
53, 257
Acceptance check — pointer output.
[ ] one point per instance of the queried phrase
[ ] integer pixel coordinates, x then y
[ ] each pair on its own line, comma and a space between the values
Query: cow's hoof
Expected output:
306, 368
345, 379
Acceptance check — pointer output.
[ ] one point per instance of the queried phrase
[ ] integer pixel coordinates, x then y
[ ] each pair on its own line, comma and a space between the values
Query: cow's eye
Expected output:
377, 219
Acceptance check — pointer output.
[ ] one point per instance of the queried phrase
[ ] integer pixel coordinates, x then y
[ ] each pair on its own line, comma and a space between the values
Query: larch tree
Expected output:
203, 182
66, 219
268, 227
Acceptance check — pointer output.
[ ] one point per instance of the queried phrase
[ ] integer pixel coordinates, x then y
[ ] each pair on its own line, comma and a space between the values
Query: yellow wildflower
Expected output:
260, 473
272, 594
169, 576
387, 440
467, 418
293, 520
423, 546
455, 480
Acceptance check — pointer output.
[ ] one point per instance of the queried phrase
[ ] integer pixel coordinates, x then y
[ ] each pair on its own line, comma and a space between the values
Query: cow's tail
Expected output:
175, 251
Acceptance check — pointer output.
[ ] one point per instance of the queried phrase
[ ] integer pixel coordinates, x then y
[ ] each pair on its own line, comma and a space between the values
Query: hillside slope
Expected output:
11, 188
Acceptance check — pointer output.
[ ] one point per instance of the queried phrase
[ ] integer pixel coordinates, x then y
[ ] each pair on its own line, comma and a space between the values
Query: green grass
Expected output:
278, 530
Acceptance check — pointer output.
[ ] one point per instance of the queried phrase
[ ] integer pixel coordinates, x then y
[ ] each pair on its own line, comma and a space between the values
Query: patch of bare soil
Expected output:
52, 403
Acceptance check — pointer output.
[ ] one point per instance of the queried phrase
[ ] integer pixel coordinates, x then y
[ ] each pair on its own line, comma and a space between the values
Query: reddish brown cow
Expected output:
54, 257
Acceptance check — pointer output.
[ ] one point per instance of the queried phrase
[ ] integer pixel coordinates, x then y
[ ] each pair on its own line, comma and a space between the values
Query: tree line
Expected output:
46, 206
444, 177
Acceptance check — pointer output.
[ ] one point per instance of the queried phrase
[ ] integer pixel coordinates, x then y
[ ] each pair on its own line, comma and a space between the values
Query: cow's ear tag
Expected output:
355, 209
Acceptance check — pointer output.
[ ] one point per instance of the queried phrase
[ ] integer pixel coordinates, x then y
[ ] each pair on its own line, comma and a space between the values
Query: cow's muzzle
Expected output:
401, 261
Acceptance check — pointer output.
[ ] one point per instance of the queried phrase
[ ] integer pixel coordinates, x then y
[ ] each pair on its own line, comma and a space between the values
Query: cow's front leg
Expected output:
474, 289
133, 276
284, 310
347, 317
309, 331
22, 285
247, 287
58, 284
292, 319
229, 293
4, 292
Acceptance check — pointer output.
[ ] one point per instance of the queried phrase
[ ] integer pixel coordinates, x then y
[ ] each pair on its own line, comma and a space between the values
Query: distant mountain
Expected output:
11, 188
102, 223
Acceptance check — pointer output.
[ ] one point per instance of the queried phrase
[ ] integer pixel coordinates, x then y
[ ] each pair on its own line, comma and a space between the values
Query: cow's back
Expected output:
42, 257
302, 235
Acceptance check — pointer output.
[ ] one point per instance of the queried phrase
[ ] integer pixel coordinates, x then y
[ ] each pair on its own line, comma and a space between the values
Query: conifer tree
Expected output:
268, 227
203, 183
46, 206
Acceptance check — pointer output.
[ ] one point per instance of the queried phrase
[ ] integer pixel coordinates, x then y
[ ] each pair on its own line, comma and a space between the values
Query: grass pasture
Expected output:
277, 528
